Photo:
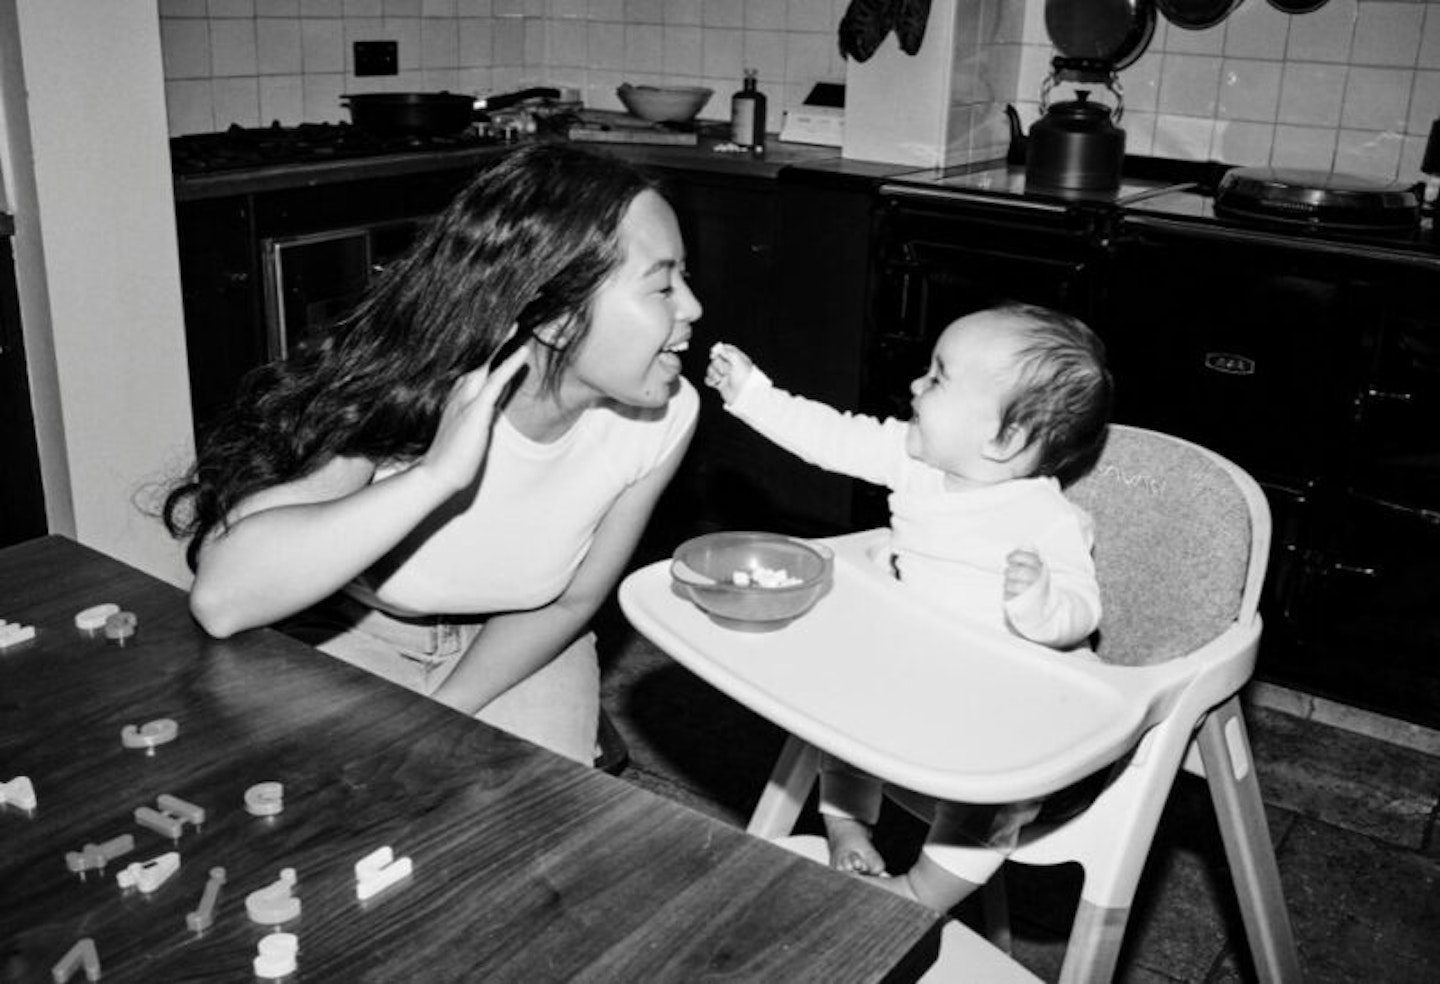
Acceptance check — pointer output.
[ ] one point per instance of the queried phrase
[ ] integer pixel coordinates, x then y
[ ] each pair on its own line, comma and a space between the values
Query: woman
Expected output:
449, 525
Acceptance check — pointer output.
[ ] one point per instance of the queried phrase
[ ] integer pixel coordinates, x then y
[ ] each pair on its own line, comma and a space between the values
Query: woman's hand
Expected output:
461, 441
729, 368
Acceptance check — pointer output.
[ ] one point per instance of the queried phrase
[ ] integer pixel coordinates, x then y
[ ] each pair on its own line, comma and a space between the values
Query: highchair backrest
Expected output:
1174, 545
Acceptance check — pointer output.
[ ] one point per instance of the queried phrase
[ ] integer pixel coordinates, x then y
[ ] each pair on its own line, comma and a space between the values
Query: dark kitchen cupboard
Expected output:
22, 507
1318, 370
781, 269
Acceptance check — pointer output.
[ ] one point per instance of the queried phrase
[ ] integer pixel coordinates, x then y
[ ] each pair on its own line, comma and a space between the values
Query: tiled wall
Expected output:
254, 61
1353, 85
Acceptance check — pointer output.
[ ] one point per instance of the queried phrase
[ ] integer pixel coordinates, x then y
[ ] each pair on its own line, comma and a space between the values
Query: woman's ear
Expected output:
553, 334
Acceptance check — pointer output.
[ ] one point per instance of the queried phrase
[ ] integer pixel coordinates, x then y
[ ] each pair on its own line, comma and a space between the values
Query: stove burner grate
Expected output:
239, 148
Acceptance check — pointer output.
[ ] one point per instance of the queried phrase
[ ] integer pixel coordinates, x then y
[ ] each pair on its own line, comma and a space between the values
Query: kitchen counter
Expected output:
703, 157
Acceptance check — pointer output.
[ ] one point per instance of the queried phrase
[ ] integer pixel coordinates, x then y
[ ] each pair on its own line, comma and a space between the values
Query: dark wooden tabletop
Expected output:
527, 867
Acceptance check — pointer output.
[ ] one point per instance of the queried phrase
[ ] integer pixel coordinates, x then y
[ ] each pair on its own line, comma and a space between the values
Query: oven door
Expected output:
314, 280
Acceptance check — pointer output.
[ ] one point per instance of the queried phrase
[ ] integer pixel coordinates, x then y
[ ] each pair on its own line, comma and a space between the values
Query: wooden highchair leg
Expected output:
786, 790
1230, 773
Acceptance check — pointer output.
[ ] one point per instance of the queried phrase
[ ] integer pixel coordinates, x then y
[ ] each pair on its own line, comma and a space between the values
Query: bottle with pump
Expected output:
747, 115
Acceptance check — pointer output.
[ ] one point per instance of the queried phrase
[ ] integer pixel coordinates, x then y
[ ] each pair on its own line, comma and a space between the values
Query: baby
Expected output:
1014, 397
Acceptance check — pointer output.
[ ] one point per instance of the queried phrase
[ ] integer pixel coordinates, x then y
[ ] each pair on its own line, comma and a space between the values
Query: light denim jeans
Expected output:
556, 707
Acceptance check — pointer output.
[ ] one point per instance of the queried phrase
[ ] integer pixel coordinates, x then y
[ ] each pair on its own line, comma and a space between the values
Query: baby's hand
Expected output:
1023, 570
729, 368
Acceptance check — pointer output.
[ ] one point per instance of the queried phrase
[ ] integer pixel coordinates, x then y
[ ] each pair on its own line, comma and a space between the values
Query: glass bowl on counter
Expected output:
751, 580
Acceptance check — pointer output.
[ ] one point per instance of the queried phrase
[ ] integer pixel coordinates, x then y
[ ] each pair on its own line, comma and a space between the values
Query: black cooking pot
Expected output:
411, 113
1075, 146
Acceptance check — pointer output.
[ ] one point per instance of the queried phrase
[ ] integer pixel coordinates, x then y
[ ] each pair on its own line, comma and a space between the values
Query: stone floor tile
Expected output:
1345, 779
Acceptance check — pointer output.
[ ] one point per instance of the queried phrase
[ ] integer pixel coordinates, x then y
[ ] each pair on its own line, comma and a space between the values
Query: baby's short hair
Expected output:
1062, 392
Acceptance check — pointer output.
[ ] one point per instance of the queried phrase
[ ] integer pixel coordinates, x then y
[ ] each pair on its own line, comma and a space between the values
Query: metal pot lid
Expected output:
1196, 15
1115, 32
1316, 198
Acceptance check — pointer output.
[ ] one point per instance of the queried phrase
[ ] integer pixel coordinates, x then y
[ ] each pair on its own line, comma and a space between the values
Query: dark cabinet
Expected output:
22, 507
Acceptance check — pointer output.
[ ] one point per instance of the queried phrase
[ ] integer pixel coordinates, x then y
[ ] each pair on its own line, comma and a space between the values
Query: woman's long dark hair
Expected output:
527, 243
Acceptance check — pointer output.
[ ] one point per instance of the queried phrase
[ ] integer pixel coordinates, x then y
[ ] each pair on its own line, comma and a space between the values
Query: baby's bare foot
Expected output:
851, 848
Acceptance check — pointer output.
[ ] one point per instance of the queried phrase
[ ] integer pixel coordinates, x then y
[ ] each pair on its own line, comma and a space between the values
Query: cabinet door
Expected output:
22, 508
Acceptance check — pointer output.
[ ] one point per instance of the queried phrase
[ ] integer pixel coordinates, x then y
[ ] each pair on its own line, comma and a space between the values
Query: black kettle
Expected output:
1076, 145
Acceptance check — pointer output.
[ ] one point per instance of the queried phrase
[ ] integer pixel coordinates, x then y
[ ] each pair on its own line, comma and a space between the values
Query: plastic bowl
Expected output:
703, 569
664, 103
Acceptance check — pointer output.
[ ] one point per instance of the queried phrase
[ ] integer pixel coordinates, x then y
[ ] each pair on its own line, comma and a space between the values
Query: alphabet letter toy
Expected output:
93, 856
201, 918
275, 955
148, 735
274, 904
83, 952
149, 875
13, 633
92, 619
19, 792
171, 816
377, 871
265, 799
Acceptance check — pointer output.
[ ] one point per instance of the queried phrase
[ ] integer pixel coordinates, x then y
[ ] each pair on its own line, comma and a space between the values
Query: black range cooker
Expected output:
1291, 326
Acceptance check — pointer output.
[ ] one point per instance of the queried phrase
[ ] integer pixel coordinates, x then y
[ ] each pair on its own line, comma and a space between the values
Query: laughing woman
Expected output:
448, 524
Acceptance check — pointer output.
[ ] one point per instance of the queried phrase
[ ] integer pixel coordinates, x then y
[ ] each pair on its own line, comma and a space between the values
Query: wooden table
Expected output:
528, 867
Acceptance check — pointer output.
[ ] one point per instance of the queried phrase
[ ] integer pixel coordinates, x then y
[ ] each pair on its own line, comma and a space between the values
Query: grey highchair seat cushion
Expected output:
1172, 546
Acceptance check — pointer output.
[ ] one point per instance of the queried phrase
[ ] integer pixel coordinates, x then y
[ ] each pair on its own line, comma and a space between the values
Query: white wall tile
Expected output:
185, 50
364, 8
322, 8
237, 102
1249, 90
1424, 103
277, 8
322, 45
232, 47
1256, 30
1387, 34
278, 46
1430, 37
1376, 98
809, 15
322, 98
401, 8
1238, 142
645, 48
475, 8
1189, 85
439, 8
765, 15
1311, 93
477, 42
1369, 153
684, 11
1186, 41
644, 11
722, 53
232, 8
1182, 137
568, 44
607, 10
439, 43
682, 50
509, 50
184, 8
405, 32
807, 57
1304, 146
282, 100
1323, 35
189, 108
723, 13
1140, 83
765, 52
607, 47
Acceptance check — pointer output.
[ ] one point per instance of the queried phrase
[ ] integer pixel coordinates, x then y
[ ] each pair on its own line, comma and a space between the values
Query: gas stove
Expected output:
241, 148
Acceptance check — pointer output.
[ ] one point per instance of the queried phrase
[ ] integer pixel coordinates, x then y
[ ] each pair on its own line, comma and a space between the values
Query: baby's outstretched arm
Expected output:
729, 368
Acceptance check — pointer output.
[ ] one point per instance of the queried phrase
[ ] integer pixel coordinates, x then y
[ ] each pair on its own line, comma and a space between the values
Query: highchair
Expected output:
1182, 542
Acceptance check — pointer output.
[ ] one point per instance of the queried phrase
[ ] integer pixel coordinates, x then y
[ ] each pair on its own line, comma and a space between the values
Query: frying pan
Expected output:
1297, 6
1196, 15
1114, 32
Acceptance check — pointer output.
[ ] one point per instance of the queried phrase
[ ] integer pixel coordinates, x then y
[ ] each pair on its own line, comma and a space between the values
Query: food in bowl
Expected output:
664, 103
752, 580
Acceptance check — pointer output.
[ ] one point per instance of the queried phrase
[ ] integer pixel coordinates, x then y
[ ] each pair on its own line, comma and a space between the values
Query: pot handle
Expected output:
1112, 83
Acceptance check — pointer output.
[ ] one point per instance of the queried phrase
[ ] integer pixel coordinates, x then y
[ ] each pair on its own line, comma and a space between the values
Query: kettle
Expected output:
1076, 145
